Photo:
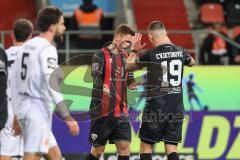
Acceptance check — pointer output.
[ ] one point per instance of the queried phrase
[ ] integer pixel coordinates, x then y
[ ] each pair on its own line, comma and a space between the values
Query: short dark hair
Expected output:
22, 29
87, 1
156, 25
124, 29
46, 17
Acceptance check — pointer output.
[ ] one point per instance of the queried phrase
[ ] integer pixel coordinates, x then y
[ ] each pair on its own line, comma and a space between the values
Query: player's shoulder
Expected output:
179, 48
12, 51
13, 48
99, 54
41, 45
162, 48
48, 51
148, 52
38, 43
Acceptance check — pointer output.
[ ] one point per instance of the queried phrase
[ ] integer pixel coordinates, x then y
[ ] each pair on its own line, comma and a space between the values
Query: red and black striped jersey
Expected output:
109, 69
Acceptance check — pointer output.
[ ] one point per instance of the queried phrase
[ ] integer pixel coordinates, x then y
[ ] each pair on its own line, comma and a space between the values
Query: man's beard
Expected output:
58, 39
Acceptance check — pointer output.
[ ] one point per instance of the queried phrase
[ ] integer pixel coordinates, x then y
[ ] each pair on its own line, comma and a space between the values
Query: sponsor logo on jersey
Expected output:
52, 63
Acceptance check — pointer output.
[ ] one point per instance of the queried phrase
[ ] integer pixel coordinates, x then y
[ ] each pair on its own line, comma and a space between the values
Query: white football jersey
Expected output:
34, 66
11, 56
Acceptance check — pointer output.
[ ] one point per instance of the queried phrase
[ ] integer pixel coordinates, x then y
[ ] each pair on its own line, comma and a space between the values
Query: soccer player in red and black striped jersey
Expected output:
108, 109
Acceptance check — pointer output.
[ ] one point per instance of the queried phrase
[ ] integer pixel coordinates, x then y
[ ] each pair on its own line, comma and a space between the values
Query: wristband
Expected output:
134, 51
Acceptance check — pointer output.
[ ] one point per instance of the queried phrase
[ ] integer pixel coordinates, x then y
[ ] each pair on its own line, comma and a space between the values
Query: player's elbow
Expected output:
131, 67
192, 63
128, 67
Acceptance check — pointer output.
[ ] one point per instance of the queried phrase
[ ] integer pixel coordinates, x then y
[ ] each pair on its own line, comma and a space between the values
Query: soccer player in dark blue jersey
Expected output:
163, 114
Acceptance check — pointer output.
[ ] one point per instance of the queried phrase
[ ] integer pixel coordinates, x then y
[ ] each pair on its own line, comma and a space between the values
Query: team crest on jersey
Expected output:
95, 66
94, 136
52, 63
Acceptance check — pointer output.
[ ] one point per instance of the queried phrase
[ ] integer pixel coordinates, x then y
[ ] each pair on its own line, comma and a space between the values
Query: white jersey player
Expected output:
36, 84
10, 144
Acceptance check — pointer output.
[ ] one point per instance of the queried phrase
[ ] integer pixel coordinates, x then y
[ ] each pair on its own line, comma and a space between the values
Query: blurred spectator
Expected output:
3, 87
88, 17
236, 51
215, 50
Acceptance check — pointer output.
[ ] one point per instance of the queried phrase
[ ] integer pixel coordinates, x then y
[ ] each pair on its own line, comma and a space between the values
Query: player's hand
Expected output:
137, 42
72, 125
106, 90
134, 85
16, 127
237, 59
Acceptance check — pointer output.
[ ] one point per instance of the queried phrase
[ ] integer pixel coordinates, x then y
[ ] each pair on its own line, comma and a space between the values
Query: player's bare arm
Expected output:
130, 63
131, 83
16, 127
192, 63
55, 81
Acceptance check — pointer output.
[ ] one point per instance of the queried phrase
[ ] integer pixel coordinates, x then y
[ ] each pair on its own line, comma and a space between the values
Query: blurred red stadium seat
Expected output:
236, 31
211, 13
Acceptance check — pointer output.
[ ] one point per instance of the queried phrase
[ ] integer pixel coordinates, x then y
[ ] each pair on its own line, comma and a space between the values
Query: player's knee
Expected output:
5, 157
54, 153
97, 151
124, 150
146, 147
31, 156
171, 148
57, 157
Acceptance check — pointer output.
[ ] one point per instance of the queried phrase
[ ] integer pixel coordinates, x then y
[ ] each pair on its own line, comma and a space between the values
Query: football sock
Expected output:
146, 156
91, 157
173, 156
123, 158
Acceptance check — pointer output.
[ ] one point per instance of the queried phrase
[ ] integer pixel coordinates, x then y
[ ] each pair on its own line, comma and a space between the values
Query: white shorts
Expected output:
38, 137
9, 144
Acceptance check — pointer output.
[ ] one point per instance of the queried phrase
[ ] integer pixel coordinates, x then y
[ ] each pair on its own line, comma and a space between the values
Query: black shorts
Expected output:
162, 120
110, 129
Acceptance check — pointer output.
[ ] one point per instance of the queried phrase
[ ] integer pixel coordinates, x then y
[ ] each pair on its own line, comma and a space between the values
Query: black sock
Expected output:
146, 156
91, 157
123, 158
173, 156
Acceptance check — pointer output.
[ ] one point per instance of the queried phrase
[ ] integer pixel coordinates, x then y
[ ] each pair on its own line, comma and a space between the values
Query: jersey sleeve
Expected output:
186, 58
49, 67
49, 60
97, 70
97, 64
143, 60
